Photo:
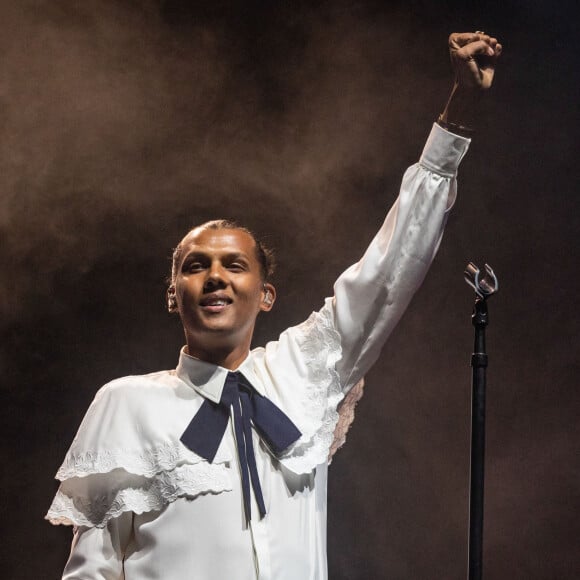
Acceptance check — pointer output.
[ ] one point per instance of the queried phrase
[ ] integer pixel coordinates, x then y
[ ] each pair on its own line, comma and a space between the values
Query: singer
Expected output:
217, 469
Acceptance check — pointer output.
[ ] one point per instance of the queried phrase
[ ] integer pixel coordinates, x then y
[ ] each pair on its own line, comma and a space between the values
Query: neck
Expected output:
228, 357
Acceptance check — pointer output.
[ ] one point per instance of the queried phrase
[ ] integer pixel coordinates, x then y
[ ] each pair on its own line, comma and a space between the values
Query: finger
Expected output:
459, 39
492, 60
493, 50
479, 47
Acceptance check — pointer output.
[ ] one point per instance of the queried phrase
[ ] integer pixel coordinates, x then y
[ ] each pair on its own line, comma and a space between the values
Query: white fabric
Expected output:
146, 507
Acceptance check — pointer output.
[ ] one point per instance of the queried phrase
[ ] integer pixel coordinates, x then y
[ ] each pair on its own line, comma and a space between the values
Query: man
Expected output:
217, 470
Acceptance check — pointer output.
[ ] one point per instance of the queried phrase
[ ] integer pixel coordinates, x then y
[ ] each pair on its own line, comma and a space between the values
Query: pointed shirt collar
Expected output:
208, 379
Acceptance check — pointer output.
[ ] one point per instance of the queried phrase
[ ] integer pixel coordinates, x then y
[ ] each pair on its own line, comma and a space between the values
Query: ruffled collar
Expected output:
208, 379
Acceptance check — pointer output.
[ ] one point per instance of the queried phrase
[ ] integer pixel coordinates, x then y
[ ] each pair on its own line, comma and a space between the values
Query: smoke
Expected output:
125, 122
120, 119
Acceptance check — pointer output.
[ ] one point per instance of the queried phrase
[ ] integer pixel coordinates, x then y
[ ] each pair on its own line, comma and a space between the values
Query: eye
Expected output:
192, 267
237, 266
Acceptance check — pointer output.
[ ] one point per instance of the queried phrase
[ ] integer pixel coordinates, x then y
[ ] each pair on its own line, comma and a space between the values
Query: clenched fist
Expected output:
474, 57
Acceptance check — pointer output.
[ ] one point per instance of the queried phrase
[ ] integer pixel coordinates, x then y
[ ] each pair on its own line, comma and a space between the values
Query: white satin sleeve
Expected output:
309, 371
97, 553
371, 296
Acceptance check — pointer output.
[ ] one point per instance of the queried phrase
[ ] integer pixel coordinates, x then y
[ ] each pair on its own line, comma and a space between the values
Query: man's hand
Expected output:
474, 56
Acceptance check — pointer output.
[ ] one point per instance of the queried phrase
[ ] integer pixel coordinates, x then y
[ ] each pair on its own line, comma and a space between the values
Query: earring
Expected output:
171, 300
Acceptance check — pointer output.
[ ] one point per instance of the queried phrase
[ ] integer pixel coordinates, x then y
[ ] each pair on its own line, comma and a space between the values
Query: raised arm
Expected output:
371, 296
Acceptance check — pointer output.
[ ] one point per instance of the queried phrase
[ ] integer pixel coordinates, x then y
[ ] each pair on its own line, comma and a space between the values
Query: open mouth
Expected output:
215, 302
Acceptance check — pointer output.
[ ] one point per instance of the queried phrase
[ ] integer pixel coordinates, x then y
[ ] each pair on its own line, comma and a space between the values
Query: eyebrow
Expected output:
225, 256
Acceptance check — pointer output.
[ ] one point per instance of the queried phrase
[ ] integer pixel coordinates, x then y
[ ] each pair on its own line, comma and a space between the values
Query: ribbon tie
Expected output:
206, 430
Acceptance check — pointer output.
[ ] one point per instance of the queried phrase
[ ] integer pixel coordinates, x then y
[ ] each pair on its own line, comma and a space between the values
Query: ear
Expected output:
268, 297
171, 299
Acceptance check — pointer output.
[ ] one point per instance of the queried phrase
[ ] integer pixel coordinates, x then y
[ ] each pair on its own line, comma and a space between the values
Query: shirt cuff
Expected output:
443, 151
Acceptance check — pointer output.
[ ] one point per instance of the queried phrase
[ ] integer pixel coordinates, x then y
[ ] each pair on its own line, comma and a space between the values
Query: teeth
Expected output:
217, 303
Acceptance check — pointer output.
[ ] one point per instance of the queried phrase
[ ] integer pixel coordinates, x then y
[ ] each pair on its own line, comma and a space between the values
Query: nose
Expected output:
216, 278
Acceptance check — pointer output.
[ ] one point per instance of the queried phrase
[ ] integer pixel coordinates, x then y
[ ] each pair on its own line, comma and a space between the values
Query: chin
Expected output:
218, 327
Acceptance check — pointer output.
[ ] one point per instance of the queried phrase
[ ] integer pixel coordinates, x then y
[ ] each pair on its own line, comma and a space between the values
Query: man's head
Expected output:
264, 254
219, 283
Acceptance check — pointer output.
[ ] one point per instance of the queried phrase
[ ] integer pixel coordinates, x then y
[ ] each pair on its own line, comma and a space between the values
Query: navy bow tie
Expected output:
206, 430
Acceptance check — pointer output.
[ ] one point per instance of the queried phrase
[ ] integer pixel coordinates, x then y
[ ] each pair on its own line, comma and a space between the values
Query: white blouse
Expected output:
145, 507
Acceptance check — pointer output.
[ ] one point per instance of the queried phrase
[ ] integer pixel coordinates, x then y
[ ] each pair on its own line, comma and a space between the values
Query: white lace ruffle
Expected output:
147, 462
114, 466
345, 417
319, 343
94, 500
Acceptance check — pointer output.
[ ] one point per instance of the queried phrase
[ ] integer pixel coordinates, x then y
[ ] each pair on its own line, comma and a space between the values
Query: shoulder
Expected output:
314, 338
131, 382
137, 387
132, 401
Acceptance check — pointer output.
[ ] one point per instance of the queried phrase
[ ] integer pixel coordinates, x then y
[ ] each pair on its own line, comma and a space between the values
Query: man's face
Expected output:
219, 289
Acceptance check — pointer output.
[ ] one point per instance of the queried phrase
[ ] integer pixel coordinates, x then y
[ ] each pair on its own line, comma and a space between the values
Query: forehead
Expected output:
221, 241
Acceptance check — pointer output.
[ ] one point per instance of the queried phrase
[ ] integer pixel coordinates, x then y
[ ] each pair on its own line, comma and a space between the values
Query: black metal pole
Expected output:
476, 483
485, 285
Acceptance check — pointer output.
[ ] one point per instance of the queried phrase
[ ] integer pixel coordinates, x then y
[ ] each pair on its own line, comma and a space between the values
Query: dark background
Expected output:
126, 122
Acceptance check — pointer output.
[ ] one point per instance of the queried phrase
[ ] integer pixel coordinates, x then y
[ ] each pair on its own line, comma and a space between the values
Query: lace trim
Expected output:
145, 462
135, 494
346, 417
319, 342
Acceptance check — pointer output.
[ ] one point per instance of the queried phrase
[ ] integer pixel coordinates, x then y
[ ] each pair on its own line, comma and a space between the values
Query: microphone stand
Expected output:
484, 287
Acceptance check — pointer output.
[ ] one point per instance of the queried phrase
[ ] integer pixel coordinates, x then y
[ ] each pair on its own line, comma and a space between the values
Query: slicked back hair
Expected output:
264, 254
